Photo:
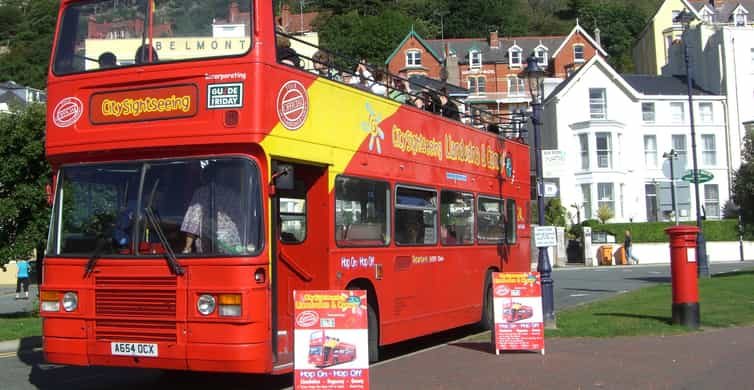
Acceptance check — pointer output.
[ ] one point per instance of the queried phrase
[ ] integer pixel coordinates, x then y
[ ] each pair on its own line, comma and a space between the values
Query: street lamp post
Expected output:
672, 155
535, 76
686, 17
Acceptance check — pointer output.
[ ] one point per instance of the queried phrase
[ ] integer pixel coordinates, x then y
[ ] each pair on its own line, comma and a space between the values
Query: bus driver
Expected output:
220, 193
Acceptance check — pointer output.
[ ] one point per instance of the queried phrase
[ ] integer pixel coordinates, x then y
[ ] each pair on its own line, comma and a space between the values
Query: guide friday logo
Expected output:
67, 112
228, 95
293, 105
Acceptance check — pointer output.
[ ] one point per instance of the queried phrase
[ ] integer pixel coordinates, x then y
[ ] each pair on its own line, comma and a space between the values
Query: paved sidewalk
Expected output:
712, 359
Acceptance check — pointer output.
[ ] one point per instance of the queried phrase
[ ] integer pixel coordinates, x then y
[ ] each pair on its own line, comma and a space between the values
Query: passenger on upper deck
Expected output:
285, 53
448, 108
145, 54
107, 60
323, 66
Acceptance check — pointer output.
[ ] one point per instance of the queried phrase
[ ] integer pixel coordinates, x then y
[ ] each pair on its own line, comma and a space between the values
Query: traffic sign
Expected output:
544, 236
551, 190
704, 176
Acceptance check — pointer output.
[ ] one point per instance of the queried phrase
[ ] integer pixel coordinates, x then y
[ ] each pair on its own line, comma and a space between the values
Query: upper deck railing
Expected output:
379, 81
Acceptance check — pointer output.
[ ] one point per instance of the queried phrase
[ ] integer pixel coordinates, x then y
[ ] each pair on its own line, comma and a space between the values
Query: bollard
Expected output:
684, 275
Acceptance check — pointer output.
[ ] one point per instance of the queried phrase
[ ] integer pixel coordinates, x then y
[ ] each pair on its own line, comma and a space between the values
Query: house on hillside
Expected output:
14, 96
492, 68
301, 26
614, 131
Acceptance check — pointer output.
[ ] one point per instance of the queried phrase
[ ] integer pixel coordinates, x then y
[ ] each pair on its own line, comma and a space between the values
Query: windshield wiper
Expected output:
169, 255
96, 254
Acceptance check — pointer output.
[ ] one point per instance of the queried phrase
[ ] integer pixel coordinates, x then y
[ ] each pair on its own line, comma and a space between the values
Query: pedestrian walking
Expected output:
627, 246
22, 279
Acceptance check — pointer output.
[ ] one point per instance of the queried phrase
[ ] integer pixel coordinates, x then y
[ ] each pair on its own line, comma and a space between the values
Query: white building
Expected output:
614, 130
722, 62
14, 96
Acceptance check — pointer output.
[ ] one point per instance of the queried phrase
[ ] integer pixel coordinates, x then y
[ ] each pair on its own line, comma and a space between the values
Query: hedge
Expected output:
718, 230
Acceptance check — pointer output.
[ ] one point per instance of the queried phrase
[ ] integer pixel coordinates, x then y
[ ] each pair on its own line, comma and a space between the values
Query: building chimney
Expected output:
235, 13
598, 37
451, 64
716, 4
494, 40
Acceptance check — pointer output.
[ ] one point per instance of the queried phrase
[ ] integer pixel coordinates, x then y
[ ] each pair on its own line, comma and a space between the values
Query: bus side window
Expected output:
511, 219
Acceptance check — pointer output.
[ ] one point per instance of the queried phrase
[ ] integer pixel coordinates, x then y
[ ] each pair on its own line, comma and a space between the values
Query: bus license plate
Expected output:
134, 349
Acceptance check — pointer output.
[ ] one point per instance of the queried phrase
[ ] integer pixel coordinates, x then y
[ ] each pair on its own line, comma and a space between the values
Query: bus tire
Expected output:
488, 314
374, 335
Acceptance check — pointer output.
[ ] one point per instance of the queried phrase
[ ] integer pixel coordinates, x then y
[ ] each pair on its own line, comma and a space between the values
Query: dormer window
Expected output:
475, 59
740, 17
514, 53
706, 15
578, 53
674, 17
541, 53
413, 58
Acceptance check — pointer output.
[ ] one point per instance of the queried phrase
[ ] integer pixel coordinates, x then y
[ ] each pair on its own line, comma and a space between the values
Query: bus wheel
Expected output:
488, 315
374, 335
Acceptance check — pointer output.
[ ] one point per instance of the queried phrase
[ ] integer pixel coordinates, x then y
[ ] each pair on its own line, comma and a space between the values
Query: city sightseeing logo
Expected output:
67, 112
372, 126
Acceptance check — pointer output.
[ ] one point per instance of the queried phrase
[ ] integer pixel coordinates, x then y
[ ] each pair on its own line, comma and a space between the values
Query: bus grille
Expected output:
135, 308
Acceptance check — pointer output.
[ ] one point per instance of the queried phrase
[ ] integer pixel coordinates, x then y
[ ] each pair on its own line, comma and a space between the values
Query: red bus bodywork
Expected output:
142, 301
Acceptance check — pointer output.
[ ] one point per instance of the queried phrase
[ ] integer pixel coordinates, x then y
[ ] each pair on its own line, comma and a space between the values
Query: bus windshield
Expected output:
204, 207
104, 34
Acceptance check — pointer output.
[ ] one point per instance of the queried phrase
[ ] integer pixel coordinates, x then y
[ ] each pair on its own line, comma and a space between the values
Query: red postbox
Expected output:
684, 275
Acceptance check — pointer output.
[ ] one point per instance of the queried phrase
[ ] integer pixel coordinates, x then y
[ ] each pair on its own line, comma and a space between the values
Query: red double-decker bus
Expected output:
325, 351
199, 181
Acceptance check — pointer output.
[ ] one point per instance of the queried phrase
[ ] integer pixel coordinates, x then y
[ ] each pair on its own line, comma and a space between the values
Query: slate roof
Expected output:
725, 13
427, 82
462, 47
662, 85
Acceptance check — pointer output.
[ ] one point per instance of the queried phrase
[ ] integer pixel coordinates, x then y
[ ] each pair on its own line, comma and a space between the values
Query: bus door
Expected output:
299, 207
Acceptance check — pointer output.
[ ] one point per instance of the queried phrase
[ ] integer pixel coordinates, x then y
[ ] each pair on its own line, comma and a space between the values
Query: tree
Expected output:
743, 181
620, 23
555, 213
29, 42
605, 213
24, 173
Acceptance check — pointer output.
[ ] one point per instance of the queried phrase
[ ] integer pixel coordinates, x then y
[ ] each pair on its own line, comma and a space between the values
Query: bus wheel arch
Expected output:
488, 314
373, 310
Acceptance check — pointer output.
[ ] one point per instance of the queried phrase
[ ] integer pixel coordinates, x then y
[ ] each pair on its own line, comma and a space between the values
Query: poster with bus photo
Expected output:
331, 344
517, 302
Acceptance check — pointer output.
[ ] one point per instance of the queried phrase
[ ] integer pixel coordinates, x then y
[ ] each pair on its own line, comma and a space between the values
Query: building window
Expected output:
413, 58
677, 112
752, 60
586, 198
709, 152
740, 17
674, 17
651, 201
541, 54
578, 53
679, 146
650, 151
597, 103
604, 150
475, 59
705, 112
515, 57
711, 201
481, 84
605, 196
648, 112
584, 146
516, 86
472, 84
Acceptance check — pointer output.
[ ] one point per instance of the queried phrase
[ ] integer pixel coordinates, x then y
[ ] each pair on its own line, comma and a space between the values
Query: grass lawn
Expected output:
19, 325
724, 300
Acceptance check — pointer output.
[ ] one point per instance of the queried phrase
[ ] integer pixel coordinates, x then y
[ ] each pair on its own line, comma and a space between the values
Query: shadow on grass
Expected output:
19, 314
653, 279
733, 273
664, 320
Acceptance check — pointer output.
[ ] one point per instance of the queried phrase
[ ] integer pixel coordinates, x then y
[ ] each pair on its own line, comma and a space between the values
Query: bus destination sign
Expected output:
145, 104
331, 349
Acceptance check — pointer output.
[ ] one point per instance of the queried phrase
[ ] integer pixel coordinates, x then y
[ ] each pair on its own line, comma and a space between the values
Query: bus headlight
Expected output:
70, 301
229, 305
50, 301
205, 304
